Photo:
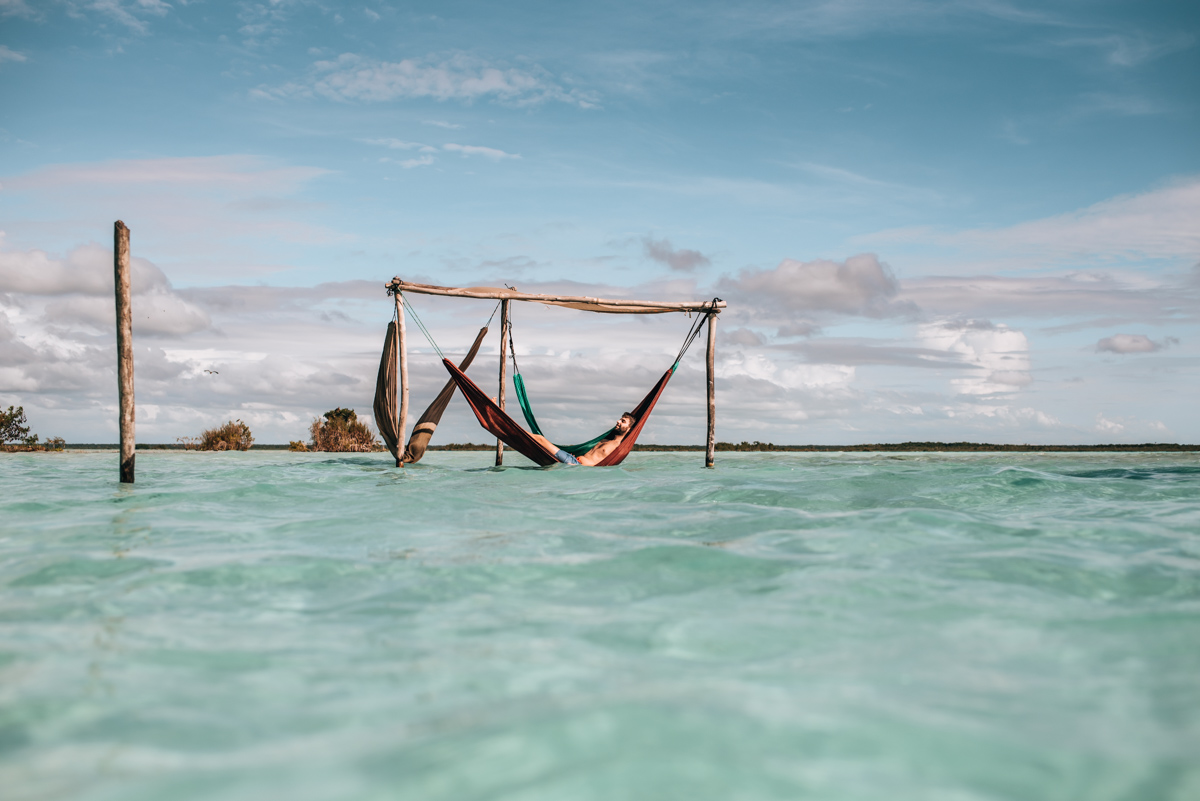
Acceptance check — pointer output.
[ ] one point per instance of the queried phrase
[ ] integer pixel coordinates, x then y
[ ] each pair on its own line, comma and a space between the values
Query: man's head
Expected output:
624, 424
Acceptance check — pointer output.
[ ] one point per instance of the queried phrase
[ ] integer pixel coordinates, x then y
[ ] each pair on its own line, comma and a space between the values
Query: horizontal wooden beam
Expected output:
602, 305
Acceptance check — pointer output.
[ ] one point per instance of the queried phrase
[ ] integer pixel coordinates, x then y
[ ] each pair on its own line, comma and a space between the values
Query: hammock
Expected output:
507, 430
423, 430
385, 401
527, 408
385, 393
527, 411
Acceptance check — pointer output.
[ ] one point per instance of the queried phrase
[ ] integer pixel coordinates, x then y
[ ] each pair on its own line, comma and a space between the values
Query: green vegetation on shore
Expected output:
15, 436
340, 432
233, 436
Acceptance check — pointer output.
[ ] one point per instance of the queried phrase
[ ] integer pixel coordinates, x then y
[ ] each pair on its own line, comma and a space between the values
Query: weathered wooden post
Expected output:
710, 454
401, 334
121, 287
503, 374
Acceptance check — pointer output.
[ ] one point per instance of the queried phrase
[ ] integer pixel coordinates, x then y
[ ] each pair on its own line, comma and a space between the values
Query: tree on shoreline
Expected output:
341, 432
13, 428
233, 436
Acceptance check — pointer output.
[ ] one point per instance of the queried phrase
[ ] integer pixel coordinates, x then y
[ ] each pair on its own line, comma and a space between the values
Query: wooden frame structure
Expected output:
711, 308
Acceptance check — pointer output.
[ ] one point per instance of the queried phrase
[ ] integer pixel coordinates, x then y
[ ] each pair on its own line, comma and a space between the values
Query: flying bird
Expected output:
212, 372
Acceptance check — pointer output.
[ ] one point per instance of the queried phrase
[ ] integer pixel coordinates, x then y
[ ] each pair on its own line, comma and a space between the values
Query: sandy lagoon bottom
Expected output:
859, 626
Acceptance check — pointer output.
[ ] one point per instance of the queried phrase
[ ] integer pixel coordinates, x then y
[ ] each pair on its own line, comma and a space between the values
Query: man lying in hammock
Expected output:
596, 454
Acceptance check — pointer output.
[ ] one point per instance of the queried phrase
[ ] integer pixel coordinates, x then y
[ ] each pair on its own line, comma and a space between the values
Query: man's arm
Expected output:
601, 451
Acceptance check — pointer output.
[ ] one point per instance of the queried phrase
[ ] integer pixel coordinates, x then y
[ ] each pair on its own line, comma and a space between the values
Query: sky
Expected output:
931, 221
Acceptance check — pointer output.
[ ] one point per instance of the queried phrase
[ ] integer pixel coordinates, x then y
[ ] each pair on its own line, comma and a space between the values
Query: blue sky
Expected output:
950, 220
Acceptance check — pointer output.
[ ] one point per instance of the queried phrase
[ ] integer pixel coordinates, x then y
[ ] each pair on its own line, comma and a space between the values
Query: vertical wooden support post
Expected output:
710, 453
403, 357
124, 347
503, 372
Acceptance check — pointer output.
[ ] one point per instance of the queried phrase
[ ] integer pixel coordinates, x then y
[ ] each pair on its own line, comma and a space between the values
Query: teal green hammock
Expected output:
523, 399
527, 409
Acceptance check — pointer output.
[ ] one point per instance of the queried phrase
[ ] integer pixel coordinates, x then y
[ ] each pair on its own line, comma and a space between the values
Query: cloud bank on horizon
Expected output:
931, 221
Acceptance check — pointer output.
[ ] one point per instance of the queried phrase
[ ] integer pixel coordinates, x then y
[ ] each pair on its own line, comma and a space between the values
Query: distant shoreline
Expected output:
769, 447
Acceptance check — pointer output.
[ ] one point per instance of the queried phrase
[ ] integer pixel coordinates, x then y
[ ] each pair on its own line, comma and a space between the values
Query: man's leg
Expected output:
550, 447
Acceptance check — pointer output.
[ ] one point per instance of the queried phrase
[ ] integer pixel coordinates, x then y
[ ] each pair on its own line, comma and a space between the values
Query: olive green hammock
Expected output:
385, 399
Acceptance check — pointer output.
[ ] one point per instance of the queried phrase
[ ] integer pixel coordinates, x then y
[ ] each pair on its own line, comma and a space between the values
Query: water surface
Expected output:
828, 626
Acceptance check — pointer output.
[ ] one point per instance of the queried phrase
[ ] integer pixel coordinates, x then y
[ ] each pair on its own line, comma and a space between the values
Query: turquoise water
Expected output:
858, 626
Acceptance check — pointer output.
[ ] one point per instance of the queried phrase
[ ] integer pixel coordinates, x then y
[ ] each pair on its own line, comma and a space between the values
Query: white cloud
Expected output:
400, 144
160, 312
839, 175
10, 55
442, 124
464, 150
825, 377
278, 358
1002, 414
222, 172
86, 270
634, 73
798, 329
880, 352
1125, 295
740, 336
15, 8
420, 161
999, 354
847, 19
1132, 343
78, 291
285, 353
475, 150
1129, 50
131, 14
265, 23
1129, 428
861, 285
1157, 224
682, 260
460, 77
817, 376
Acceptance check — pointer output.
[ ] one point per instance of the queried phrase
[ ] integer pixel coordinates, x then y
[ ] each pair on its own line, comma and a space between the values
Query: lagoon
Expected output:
803, 625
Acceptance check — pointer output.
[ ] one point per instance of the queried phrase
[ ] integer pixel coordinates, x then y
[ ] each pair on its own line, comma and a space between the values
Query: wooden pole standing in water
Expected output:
710, 454
124, 347
401, 334
503, 369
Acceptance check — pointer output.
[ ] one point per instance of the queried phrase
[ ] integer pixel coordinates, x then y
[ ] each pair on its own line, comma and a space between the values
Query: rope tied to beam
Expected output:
697, 327
421, 326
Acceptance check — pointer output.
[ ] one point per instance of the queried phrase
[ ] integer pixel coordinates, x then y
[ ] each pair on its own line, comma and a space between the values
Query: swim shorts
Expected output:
565, 457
